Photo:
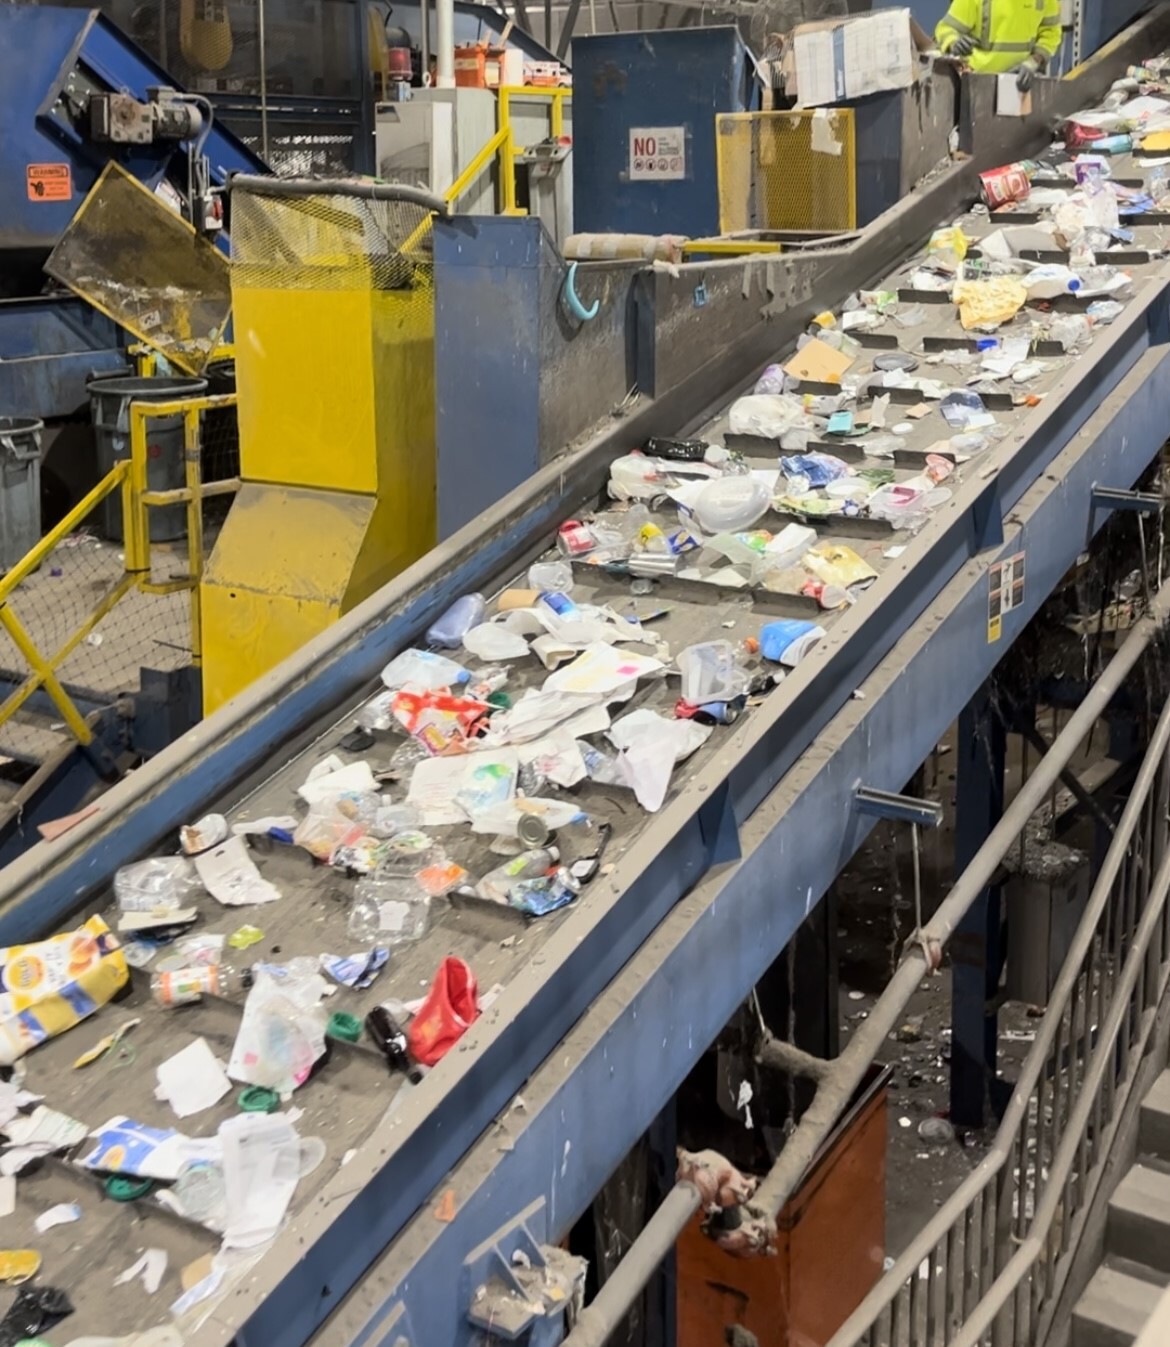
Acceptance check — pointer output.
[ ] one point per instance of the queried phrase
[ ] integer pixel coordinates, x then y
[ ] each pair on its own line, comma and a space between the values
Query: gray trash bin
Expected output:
110, 400
20, 487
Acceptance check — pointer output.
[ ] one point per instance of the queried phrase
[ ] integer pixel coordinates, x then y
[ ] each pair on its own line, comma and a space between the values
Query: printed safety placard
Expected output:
1005, 592
49, 182
658, 153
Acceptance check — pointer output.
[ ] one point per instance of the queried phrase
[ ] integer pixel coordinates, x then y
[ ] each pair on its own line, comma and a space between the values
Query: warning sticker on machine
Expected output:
49, 182
658, 153
1006, 591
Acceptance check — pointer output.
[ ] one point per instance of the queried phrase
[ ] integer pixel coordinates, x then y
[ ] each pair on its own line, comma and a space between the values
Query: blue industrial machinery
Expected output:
609, 1007
78, 94
644, 108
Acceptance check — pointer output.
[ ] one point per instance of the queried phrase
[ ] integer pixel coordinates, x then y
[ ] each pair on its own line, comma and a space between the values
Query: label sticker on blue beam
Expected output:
1005, 592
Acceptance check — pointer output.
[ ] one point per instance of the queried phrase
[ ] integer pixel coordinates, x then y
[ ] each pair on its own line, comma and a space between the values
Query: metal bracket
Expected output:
1114, 498
517, 1289
901, 808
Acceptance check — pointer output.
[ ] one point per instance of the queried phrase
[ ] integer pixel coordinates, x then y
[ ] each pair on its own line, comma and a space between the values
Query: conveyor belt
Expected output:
555, 964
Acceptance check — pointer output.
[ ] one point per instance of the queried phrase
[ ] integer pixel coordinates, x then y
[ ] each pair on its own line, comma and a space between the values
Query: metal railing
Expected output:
45, 653
502, 145
991, 1266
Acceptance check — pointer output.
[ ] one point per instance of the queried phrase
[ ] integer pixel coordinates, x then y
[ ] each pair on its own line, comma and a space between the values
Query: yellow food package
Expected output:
989, 303
18, 1265
947, 247
54, 984
1157, 142
835, 564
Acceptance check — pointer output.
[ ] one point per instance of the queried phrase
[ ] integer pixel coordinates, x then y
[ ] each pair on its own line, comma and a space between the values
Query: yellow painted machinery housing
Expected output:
333, 306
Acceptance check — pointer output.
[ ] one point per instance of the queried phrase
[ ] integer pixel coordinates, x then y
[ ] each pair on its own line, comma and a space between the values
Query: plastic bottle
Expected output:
1049, 282
390, 1040
186, 986
448, 632
498, 883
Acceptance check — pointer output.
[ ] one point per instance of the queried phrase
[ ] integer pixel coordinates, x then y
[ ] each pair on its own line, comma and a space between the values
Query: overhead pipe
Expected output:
445, 44
839, 1079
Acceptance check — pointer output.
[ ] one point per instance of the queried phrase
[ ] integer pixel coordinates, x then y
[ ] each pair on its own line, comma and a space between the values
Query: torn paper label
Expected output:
150, 1267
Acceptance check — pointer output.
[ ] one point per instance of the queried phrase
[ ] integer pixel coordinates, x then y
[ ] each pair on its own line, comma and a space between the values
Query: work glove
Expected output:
1026, 74
963, 45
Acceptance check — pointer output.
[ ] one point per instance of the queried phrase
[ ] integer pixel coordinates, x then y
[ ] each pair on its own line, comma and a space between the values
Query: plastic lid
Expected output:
127, 1188
256, 1099
344, 1026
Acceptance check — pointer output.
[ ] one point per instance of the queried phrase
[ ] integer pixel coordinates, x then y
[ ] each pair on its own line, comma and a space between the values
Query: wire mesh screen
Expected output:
136, 260
792, 170
86, 620
329, 242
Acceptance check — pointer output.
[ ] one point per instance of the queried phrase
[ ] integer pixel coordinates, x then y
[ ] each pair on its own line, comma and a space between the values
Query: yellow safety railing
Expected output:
129, 477
503, 144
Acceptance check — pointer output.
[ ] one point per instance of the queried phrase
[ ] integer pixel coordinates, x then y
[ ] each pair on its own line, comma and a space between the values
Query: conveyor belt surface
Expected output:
352, 1103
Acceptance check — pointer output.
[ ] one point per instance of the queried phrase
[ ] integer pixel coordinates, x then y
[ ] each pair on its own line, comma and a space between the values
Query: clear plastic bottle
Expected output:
389, 909
186, 986
498, 883
448, 632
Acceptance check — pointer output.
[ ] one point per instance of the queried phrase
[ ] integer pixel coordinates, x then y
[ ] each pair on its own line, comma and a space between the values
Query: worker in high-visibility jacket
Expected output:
995, 36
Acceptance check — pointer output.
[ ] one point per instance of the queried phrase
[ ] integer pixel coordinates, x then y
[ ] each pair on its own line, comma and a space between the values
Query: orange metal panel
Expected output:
830, 1248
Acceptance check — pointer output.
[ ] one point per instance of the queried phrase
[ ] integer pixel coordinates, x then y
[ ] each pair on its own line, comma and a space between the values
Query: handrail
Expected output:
599, 1320
1051, 1026
130, 476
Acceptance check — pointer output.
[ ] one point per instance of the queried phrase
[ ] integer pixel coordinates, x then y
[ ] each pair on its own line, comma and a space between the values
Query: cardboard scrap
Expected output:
818, 362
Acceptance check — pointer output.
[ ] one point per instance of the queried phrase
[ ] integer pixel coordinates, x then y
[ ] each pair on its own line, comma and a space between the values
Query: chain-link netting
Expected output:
138, 261
92, 623
330, 241
792, 170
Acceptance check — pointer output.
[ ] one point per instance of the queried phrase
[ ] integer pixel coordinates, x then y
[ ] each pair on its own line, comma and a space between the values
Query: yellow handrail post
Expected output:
135, 525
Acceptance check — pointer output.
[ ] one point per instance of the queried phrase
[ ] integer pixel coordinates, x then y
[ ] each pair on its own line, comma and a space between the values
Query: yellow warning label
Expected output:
50, 182
1005, 592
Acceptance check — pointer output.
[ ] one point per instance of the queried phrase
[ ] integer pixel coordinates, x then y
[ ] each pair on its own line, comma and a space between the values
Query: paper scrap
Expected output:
150, 1267
103, 1045
818, 362
192, 1080
261, 1168
57, 827
332, 777
7, 1194
42, 1133
445, 1211
1010, 99
434, 784
601, 669
822, 140
230, 875
129, 922
62, 1214
649, 746
249, 827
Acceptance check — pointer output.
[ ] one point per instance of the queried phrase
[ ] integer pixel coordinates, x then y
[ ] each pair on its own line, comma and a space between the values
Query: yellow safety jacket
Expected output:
1006, 32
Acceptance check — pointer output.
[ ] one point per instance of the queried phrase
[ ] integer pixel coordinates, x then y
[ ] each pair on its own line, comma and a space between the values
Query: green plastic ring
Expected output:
346, 1027
256, 1099
123, 1188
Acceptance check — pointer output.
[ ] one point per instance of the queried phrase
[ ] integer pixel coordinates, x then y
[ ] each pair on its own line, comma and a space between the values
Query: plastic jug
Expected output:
710, 673
448, 632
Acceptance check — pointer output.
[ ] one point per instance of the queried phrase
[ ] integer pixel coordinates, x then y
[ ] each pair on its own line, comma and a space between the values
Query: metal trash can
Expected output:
110, 400
20, 487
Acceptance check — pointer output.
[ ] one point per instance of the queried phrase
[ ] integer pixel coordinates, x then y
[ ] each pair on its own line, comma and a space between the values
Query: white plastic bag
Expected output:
282, 1031
162, 883
423, 670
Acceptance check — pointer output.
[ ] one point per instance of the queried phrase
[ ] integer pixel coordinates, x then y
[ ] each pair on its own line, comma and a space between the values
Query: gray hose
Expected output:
354, 187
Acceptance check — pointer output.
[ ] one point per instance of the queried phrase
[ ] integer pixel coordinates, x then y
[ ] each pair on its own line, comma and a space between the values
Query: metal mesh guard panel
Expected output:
329, 242
787, 170
135, 259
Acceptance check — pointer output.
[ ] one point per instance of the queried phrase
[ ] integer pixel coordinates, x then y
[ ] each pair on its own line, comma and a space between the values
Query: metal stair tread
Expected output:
1145, 1192
1119, 1303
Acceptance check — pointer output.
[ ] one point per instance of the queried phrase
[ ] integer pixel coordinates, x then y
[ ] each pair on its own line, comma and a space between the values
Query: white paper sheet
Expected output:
229, 874
192, 1080
150, 1267
261, 1167
433, 785
64, 1213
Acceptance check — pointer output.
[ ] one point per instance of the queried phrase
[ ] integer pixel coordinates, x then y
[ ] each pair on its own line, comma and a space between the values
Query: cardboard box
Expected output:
837, 60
